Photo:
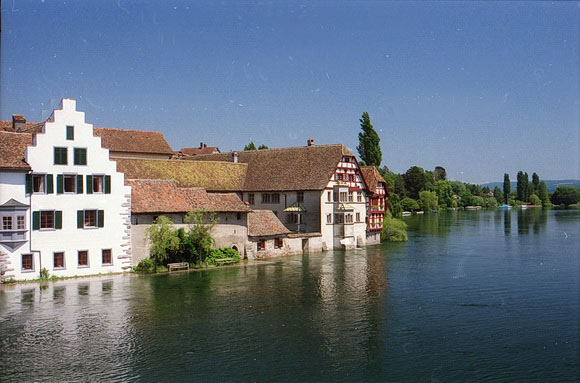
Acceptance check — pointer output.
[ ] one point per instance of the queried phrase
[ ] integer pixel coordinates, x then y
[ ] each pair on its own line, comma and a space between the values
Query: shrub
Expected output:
226, 252
409, 204
394, 230
145, 265
44, 273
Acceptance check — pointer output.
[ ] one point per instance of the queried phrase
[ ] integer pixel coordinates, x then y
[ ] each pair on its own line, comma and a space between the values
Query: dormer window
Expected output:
70, 133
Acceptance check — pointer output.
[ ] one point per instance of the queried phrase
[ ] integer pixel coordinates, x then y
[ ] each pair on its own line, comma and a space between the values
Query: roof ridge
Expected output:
128, 130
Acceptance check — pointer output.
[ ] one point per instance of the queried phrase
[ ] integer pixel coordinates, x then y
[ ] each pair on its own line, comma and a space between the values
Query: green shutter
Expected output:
100, 218
79, 184
76, 157
89, 184
80, 219
84, 156
29, 184
107, 184
58, 219
36, 220
59, 184
49, 184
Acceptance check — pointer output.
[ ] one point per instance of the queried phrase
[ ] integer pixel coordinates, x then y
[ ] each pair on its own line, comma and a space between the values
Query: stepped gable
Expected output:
264, 223
371, 177
297, 168
211, 176
12, 148
163, 196
133, 141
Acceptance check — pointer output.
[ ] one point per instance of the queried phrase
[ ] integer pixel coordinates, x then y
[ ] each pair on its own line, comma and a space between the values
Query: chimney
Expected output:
201, 145
235, 157
18, 122
310, 142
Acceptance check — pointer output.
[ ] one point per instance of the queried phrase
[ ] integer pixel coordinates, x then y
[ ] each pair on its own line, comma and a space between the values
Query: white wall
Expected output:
115, 234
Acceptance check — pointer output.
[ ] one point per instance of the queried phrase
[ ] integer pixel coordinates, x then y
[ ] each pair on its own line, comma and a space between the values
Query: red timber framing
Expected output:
376, 207
347, 172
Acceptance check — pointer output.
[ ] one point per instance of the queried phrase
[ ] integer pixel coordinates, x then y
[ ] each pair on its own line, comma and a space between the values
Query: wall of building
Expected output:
12, 186
114, 235
291, 246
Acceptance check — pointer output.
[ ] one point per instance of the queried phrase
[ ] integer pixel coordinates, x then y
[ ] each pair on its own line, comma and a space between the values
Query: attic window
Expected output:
70, 133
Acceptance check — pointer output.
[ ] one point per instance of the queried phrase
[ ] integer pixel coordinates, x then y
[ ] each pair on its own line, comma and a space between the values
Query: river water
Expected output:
473, 296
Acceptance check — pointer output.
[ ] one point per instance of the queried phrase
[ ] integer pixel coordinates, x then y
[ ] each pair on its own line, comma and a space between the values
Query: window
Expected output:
335, 196
261, 245
90, 218
348, 218
6, 223
346, 159
47, 219
83, 258
265, 198
339, 177
239, 216
300, 196
60, 156
278, 243
38, 183
20, 222
329, 196
80, 156
343, 196
350, 196
358, 197
107, 258
70, 133
70, 183
358, 217
276, 198
251, 198
58, 260
329, 218
98, 184
339, 218
27, 262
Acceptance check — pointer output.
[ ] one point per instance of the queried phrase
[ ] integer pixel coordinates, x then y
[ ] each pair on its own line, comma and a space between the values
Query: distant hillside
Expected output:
551, 184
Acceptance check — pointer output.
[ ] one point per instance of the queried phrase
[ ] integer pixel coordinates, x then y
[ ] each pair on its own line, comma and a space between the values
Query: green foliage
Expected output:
506, 187
394, 230
444, 193
199, 234
535, 183
262, 147
395, 206
409, 204
415, 181
145, 265
226, 252
44, 274
535, 200
428, 200
466, 199
440, 173
369, 148
458, 187
522, 186
250, 146
498, 195
163, 240
566, 195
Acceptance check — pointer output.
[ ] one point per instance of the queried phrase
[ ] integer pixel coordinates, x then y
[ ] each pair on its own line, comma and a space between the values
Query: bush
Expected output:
566, 195
394, 230
226, 252
145, 265
44, 273
409, 204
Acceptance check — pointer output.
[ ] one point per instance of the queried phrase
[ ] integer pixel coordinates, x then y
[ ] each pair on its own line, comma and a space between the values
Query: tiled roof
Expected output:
12, 148
372, 177
133, 141
199, 151
212, 176
298, 168
264, 223
163, 196
29, 127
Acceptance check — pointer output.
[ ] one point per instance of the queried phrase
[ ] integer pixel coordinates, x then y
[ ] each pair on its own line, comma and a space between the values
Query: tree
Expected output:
444, 193
414, 181
428, 200
440, 174
522, 186
543, 194
466, 199
566, 195
506, 187
262, 147
498, 195
535, 200
409, 204
201, 224
535, 183
394, 230
250, 146
163, 240
369, 149
400, 186
395, 206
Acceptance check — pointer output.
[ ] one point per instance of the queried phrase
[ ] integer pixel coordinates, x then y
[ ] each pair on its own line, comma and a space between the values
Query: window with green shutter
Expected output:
60, 156
107, 184
58, 219
49, 184
80, 219
59, 184
101, 218
89, 184
79, 184
70, 132
36, 220
80, 156
29, 184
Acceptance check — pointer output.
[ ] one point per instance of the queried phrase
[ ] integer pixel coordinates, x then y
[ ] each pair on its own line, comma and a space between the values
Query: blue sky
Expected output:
478, 88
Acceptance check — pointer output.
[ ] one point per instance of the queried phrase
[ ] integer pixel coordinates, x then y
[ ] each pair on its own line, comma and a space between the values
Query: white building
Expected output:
78, 216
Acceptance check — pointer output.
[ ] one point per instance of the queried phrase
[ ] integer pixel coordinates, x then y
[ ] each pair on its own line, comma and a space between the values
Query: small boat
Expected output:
406, 213
504, 207
524, 207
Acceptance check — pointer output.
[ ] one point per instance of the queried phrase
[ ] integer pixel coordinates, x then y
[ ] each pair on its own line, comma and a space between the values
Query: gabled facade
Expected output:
78, 208
377, 202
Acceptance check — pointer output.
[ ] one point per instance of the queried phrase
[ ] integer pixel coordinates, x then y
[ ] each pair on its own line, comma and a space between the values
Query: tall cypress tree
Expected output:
506, 187
369, 149
536, 183
521, 186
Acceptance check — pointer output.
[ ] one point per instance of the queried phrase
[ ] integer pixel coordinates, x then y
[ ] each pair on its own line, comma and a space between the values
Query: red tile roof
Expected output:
264, 223
200, 151
372, 177
297, 168
12, 148
29, 127
163, 196
133, 141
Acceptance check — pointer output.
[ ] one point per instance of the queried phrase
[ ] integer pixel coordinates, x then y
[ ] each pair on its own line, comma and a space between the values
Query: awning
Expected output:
295, 208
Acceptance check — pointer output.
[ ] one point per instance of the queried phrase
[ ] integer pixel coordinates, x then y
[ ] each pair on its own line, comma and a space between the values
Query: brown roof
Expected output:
133, 141
29, 127
12, 148
298, 168
372, 177
199, 151
163, 196
212, 176
264, 223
